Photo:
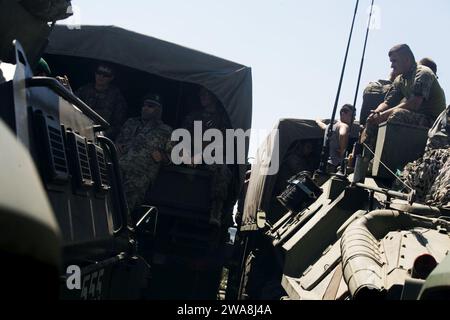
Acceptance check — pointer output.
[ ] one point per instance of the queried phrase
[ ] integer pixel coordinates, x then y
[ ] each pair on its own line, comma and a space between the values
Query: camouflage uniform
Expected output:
213, 118
419, 81
110, 104
139, 140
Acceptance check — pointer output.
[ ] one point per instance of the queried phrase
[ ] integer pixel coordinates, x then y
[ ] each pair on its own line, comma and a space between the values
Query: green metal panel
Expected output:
397, 144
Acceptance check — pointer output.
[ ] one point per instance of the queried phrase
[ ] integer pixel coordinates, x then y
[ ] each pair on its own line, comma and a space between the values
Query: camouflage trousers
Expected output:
221, 179
402, 116
430, 177
136, 182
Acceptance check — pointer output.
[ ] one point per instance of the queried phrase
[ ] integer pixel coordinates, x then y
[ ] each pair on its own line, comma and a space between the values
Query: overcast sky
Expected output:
294, 47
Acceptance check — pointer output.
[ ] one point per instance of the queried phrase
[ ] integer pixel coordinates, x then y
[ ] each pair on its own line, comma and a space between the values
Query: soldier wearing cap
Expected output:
143, 145
339, 137
105, 98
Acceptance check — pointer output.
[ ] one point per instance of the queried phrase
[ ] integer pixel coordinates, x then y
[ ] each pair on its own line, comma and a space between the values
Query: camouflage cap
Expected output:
153, 98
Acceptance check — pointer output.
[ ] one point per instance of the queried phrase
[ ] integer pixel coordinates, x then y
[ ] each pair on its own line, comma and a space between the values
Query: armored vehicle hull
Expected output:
358, 238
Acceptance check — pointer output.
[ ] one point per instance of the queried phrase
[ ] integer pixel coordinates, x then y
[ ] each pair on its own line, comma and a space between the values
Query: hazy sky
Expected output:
295, 48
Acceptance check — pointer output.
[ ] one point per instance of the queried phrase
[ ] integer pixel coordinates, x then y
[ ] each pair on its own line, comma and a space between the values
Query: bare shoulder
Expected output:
344, 127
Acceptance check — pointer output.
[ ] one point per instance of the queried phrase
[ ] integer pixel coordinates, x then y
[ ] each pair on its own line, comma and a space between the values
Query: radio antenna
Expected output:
326, 146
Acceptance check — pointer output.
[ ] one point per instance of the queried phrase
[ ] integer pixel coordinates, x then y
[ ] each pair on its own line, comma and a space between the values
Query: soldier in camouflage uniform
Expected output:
105, 98
143, 145
415, 98
212, 117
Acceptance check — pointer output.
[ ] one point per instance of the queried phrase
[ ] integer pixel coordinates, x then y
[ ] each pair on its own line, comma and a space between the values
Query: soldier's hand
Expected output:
64, 80
372, 116
156, 155
321, 124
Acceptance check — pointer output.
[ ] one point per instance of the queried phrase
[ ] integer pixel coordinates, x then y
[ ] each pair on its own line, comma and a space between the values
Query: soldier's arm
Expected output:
321, 124
163, 155
421, 91
423, 82
392, 99
412, 104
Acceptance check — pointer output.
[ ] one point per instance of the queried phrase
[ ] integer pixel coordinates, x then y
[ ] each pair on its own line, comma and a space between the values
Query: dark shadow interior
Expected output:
179, 98
292, 163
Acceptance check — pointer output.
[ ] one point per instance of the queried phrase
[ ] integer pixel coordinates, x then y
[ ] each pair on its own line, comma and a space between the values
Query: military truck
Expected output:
185, 254
112, 249
92, 247
350, 235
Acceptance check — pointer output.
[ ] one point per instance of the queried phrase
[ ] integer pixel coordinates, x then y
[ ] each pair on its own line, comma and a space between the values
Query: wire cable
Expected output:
387, 168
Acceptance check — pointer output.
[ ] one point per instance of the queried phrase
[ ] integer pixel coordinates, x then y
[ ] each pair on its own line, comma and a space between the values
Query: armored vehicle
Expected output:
345, 235
375, 229
295, 146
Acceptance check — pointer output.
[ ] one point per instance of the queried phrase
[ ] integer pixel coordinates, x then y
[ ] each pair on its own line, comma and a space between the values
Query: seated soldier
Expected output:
415, 98
105, 98
340, 136
212, 116
143, 145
